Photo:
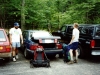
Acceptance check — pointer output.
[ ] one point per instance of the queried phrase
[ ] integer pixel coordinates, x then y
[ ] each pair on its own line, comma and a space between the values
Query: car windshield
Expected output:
97, 31
2, 36
41, 34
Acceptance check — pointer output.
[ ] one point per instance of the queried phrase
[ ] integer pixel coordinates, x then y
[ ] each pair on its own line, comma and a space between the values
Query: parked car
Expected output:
89, 40
5, 48
32, 38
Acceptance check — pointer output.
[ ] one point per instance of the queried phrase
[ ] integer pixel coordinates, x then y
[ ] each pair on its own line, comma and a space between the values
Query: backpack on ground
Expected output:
39, 58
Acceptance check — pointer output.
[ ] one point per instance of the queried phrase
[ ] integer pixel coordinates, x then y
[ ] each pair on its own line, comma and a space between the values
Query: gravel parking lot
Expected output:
90, 66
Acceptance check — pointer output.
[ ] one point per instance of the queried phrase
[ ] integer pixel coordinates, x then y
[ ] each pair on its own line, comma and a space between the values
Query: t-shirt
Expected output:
15, 34
75, 34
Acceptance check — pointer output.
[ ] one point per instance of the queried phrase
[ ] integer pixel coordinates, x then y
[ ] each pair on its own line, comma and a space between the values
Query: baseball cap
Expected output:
16, 24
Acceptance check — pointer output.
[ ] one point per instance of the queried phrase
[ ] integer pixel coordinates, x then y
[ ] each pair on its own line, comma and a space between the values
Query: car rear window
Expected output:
97, 31
38, 34
2, 36
87, 30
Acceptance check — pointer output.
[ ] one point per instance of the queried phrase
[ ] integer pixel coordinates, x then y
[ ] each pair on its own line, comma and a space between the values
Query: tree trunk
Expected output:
23, 15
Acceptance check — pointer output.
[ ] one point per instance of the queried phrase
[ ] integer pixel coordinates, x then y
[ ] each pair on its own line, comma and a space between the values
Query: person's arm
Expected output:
21, 38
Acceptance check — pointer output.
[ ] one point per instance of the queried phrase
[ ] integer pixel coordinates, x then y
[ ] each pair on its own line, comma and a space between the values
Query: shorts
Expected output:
16, 44
74, 45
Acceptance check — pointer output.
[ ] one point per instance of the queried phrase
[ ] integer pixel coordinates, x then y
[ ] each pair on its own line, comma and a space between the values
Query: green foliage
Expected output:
49, 14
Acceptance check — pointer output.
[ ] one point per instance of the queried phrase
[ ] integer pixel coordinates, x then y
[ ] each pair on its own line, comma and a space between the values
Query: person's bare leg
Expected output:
71, 56
16, 53
76, 58
76, 54
13, 53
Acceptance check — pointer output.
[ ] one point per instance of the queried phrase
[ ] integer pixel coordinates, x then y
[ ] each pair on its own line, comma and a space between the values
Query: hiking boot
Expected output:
70, 62
16, 56
75, 61
14, 59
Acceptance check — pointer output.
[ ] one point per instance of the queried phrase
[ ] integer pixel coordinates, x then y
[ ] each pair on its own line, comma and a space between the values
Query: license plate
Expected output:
96, 53
48, 41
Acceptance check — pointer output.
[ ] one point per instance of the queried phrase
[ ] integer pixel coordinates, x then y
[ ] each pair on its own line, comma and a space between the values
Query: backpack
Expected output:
66, 49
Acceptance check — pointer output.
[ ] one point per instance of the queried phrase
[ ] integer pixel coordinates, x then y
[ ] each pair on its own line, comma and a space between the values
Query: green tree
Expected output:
48, 14
23, 15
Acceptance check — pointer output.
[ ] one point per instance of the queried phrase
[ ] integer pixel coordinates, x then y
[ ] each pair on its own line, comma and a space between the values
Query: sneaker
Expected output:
14, 59
70, 62
16, 56
75, 61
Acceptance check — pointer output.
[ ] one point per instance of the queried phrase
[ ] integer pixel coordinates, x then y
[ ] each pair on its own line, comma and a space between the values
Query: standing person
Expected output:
74, 44
15, 36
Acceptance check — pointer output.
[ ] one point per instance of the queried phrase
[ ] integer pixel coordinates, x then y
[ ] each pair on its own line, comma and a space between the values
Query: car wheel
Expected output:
25, 53
80, 52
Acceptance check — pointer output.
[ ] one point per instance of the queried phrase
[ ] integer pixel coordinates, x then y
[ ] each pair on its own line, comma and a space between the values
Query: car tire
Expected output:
26, 53
80, 52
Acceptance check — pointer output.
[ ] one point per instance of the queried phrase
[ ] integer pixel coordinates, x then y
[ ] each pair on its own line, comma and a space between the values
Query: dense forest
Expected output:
48, 14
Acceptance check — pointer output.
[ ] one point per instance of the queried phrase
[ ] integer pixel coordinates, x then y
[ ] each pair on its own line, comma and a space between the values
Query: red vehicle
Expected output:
5, 48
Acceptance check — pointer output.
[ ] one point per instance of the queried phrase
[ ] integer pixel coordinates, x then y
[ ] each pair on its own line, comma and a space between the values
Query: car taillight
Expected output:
8, 48
40, 40
1, 47
92, 43
33, 47
55, 40
58, 46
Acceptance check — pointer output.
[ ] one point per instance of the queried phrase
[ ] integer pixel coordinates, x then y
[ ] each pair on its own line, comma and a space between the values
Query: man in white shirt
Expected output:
15, 36
74, 44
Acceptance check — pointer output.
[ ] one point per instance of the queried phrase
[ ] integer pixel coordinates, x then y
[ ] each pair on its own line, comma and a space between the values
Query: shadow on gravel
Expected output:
3, 62
54, 58
93, 59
